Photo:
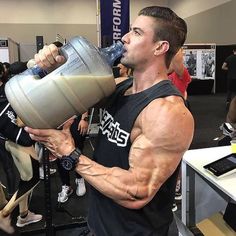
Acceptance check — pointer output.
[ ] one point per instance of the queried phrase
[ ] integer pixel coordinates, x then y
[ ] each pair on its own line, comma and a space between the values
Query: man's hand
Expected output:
58, 142
48, 58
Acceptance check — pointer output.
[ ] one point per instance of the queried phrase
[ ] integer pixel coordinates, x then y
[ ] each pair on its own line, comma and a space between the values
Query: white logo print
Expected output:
112, 130
11, 116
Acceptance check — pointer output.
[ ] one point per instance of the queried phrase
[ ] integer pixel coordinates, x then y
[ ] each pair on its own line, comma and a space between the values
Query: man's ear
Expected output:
161, 48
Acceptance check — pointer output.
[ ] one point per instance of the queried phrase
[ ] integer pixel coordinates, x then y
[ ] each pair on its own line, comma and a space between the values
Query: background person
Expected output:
231, 115
5, 157
19, 144
124, 73
191, 63
6, 66
78, 130
144, 132
8, 167
230, 66
179, 74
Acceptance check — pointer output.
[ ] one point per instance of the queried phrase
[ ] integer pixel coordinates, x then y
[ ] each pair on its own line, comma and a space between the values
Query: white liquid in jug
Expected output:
49, 102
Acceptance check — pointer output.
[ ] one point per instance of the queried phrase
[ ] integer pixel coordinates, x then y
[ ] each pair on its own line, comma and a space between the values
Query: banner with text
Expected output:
114, 20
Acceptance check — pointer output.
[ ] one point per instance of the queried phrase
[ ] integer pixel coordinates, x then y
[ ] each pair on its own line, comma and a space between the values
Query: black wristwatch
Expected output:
69, 162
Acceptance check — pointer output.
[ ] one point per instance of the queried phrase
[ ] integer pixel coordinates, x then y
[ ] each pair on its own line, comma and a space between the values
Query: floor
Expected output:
69, 218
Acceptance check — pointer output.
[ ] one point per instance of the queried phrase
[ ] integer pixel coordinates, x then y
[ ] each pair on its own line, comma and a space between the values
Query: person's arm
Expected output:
83, 124
231, 115
155, 153
158, 144
224, 66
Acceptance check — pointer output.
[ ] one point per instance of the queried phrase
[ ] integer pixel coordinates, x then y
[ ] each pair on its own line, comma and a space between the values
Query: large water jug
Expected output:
71, 89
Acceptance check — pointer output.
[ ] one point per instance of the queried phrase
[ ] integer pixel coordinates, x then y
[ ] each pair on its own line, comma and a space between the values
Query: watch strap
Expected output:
75, 155
69, 162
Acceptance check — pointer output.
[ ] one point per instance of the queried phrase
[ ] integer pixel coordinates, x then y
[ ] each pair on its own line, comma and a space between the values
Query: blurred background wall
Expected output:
209, 21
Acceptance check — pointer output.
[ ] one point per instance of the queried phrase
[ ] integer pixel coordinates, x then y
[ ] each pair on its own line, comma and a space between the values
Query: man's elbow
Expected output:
134, 204
138, 205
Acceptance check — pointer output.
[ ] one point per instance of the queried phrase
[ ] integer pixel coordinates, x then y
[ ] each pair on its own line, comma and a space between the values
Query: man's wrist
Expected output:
70, 161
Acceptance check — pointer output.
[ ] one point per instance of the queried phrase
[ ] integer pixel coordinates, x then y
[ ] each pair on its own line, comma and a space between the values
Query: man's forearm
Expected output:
115, 183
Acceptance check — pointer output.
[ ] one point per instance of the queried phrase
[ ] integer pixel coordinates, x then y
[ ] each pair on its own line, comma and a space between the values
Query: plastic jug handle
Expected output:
36, 70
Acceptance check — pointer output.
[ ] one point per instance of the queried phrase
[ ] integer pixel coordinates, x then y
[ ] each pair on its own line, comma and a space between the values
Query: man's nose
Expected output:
124, 39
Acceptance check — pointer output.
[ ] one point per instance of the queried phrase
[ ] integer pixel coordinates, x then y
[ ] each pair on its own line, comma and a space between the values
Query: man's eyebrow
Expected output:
136, 29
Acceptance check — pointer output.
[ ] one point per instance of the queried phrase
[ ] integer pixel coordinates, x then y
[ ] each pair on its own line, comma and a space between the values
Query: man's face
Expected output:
138, 43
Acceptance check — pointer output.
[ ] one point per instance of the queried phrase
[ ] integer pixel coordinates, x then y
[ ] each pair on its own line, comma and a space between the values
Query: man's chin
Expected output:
125, 62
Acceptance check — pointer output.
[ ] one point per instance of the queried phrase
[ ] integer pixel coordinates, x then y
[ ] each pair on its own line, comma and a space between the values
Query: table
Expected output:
193, 175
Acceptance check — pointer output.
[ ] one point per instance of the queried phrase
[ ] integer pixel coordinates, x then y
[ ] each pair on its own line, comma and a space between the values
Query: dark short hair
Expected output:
1, 71
169, 27
58, 44
1, 68
17, 67
6, 64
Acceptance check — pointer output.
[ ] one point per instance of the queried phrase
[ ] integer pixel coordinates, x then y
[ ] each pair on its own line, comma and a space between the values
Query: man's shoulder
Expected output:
164, 109
166, 119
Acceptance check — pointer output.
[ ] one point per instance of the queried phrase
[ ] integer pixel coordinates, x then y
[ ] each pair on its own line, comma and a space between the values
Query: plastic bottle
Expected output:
113, 52
110, 54
71, 89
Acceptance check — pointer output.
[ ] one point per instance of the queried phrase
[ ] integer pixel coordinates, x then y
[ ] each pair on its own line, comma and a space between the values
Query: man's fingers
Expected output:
68, 124
37, 132
52, 51
48, 57
40, 135
60, 59
38, 62
45, 57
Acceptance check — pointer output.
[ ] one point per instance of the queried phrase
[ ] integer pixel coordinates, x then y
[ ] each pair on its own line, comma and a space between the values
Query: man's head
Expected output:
169, 27
17, 67
160, 28
3, 77
6, 66
123, 70
1, 71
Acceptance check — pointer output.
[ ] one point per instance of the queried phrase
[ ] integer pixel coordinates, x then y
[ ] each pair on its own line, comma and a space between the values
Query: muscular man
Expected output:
144, 132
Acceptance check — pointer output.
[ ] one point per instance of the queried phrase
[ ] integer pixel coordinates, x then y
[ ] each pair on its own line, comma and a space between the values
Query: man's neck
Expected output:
146, 79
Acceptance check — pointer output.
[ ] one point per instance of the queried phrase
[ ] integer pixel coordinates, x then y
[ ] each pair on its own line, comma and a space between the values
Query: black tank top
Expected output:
8, 126
106, 217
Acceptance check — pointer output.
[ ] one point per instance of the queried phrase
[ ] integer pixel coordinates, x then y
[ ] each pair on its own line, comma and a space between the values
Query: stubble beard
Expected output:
126, 63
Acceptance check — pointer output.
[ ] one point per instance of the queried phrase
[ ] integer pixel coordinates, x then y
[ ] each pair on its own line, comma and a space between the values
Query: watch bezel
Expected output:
73, 158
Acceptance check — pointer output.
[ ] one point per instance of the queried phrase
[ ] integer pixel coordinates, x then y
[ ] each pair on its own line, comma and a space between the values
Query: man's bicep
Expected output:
153, 163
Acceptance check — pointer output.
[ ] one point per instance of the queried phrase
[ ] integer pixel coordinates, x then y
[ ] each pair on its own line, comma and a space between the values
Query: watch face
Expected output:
66, 164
